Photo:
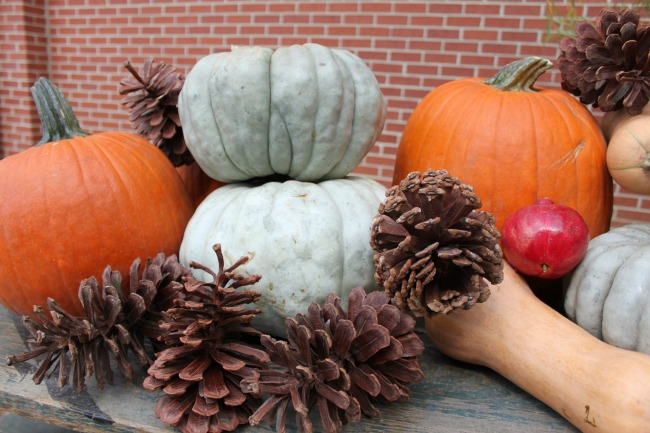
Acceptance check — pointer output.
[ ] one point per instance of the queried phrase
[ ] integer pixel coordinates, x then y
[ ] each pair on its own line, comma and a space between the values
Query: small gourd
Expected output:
305, 239
304, 111
609, 292
628, 149
597, 387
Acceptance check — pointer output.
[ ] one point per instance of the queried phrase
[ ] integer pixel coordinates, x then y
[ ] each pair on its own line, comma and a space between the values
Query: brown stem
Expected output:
57, 119
520, 76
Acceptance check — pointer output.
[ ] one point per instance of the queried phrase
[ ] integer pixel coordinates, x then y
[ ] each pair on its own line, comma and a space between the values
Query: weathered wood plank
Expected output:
454, 397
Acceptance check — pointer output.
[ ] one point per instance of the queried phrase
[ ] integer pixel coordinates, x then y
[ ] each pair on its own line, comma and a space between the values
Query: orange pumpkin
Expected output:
76, 203
513, 142
198, 184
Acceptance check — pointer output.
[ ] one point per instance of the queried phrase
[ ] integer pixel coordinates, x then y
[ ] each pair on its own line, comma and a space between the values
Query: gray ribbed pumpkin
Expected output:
305, 111
305, 239
609, 292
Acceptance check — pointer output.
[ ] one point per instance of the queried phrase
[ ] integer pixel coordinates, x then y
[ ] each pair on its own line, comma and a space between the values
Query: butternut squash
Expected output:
597, 387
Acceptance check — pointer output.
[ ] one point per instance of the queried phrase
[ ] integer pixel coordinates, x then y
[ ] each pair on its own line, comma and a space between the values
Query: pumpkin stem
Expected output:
57, 119
520, 76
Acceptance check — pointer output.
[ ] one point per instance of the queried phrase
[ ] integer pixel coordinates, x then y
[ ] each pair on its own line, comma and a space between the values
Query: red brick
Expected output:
392, 44
282, 7
266, 19
376, 7
483, 9
407, 32
480, 35
327, 18
623, 201
501, 22
629, 215
358, 19
342, 7
523, 10
461, 47
444, 8
392, 20
427, 20
312, 7
253, 7
411, 8
374, 31
463, 21
443, 33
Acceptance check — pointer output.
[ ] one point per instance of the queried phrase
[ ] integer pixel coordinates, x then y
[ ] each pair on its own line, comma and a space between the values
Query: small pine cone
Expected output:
152, 100
206, 358
434, 250
114, 325
59, 336
608, 65
159, 285
339, 362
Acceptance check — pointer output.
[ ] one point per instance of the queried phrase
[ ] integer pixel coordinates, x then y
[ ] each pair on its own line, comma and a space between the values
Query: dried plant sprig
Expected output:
434, 250
338, 362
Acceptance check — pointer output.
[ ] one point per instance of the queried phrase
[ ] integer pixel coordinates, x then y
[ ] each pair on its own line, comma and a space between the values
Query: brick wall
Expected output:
411, 46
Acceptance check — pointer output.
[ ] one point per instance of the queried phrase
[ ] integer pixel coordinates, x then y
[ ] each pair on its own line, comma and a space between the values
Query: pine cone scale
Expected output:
170, 409
194, 370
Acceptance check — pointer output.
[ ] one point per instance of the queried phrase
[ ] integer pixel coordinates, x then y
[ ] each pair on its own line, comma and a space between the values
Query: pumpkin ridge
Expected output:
190, 95
23, 294
331, 120
213, 103
362, 113
621, 293
340, 218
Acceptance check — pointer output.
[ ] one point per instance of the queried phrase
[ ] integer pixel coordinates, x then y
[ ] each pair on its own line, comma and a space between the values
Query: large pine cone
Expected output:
339, 362
608, 64
434, 249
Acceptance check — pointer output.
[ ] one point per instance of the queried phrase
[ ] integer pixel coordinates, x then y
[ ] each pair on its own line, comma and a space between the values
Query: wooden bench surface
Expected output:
453, 398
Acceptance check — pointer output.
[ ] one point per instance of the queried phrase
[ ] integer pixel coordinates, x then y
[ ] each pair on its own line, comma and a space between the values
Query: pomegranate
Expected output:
545, 239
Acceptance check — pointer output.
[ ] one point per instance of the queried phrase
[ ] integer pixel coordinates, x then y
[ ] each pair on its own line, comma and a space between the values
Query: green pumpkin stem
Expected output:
520, 76
57, 119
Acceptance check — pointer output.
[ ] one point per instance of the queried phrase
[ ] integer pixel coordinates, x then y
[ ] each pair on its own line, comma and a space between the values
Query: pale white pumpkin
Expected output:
305, 111
609, 292
305, 240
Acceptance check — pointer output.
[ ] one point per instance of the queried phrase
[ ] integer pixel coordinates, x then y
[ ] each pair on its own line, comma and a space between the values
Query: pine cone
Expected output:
339, 362
434, 250
114, 325
206, 359
152, 99
608, 65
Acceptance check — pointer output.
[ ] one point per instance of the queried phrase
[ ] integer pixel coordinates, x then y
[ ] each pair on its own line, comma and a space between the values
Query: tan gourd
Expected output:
628, 149
597, 387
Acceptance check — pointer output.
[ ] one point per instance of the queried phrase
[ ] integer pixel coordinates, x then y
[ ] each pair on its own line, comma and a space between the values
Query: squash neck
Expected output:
57, 119
520, 76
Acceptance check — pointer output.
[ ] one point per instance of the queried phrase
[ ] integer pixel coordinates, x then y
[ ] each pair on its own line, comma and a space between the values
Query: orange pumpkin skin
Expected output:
197, 183
512, 147
72, 207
